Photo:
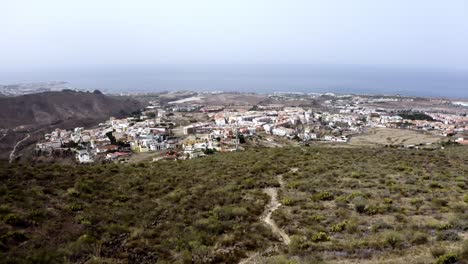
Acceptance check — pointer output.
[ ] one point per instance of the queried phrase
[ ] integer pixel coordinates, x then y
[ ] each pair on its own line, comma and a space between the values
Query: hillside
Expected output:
337, 205
51, 108
28, 117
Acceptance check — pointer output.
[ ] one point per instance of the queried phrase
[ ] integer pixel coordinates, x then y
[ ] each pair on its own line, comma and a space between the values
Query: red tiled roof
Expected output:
108, 147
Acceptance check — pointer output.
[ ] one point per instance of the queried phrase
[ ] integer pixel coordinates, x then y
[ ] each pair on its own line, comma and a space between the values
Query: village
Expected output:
187, 128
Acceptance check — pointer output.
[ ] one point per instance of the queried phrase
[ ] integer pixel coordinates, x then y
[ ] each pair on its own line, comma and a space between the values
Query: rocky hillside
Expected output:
33, 115
52, 108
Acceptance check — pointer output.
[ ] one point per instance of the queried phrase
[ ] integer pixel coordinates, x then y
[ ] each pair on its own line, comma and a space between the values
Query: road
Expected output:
12, 153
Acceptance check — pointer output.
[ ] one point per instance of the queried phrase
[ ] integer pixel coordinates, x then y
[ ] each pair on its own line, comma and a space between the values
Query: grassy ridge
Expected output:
339, 204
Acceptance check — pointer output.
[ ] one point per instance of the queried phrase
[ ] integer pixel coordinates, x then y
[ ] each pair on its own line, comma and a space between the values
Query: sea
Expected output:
340, 79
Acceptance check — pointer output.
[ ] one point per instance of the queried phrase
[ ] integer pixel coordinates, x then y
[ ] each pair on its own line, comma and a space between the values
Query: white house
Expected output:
268, 128
282, 131
221, 121
83, 156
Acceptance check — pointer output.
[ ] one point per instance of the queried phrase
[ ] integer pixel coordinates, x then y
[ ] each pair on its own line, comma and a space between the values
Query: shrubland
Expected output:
338, 205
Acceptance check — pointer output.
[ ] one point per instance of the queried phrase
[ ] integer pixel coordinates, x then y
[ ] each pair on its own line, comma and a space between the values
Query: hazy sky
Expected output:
58, 33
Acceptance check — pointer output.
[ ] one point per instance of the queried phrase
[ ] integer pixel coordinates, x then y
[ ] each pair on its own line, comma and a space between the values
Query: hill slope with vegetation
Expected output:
337, 206
29, 117
67, 106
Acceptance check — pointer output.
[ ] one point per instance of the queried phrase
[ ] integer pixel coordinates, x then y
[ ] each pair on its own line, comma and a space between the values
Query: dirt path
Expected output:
250, 259
12, 153
4, 135
270, 208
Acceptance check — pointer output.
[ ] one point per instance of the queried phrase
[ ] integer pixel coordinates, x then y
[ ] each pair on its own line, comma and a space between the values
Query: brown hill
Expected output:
36, 114
51, 108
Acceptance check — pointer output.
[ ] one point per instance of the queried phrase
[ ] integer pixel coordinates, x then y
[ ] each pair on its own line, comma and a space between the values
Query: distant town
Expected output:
194, 125
32, 88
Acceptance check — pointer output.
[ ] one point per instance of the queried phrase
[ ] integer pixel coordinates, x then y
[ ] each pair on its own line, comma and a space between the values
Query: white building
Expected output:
282, 131
83, 156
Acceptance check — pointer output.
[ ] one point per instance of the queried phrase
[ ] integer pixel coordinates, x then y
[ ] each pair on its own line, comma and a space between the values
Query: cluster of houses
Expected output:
440, 123
336, 125
225, 129
114, 140
290, 122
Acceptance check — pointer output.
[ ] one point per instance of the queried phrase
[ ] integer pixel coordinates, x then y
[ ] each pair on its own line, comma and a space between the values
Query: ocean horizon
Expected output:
254, 78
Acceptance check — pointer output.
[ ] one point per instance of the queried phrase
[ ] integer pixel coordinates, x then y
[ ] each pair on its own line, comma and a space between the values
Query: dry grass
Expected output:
393, 137
339, 205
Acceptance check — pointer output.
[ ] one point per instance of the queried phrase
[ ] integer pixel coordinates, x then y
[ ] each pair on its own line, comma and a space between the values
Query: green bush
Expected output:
73, 192
230, 212
15, 220
401, 218
279, 260
419, 239
37, 216
299, 244
352, 226
4, 209
317, 218
449, 258
459, 207
388, 201
211, 225
417, 202
444, 226
354, 195
320, 237
13, 237
75, 207
46, 257
447, 236
374, 209
287, 201
322, 196
380, 225
464, 251
360, 204
438, 251
440, 202
393, 240
83, 220
339, 227
435, 185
